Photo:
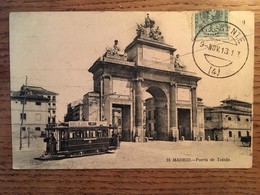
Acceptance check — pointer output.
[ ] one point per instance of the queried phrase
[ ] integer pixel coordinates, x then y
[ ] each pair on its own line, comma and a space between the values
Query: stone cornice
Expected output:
151, 43
138, 79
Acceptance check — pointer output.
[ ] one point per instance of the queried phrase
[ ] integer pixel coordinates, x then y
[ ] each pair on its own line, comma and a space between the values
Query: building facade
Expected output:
91, 107
74, 111
148, 65
32, 108
229, 121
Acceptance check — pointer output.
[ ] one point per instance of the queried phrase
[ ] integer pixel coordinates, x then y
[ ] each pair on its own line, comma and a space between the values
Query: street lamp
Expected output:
24, 93
28, 133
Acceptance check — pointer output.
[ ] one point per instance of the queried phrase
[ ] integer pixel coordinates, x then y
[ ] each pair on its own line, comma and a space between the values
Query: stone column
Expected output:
139, 109
172, 61
194, 110
173, 112
105, 112
107, 85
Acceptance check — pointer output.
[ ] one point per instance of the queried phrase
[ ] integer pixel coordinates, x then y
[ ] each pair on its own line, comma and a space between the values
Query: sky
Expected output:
56, 49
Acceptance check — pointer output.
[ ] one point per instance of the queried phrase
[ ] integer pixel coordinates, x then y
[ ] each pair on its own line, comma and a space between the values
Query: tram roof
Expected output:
81, 127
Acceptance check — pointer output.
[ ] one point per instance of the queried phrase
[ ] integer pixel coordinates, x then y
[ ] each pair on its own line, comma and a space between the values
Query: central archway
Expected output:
156, 114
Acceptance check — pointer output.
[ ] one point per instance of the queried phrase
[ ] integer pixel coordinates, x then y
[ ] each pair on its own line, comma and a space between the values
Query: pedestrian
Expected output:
118, 137
53, 143
216, 137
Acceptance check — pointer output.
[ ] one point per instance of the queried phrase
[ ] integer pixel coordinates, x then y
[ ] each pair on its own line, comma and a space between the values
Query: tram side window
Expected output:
99, 133
85, 134
76, 134
92, 134
79, 134
72, 134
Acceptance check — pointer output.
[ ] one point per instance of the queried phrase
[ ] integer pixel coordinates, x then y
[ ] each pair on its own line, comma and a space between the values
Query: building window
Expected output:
230, 133
23, 116
53, 98
154, 113
208, 118
54, 104
38, 103
149, 115
49, 97
38, 117
49, 119
53, 112
247, 133
247, 119
238, 118
239, 134
37, 128
23, 128
229, 118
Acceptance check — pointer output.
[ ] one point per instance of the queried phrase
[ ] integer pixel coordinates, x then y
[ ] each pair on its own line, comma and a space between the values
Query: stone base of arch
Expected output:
139, 134
174, 133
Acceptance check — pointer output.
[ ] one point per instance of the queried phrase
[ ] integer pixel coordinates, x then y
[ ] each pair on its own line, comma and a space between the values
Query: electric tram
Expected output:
79, 138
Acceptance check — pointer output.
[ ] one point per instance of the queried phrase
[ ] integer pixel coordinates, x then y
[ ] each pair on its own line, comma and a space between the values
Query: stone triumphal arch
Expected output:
147, 65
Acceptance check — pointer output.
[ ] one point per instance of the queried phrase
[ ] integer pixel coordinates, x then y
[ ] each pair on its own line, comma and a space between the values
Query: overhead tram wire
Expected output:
80, 69
101, 41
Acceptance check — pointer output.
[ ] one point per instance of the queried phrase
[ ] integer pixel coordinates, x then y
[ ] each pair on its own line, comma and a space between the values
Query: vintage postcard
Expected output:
100, 90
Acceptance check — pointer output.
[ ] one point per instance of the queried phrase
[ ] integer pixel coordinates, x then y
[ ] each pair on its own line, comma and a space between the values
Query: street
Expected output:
152, 154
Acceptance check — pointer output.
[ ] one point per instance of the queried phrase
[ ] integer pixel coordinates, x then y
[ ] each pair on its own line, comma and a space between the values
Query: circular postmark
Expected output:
220, 49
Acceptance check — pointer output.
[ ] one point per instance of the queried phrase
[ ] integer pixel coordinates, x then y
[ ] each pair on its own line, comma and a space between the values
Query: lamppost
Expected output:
24, 93
21, 126
28, 133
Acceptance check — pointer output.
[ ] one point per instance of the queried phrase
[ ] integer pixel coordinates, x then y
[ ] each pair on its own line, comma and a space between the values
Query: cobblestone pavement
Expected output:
153, 154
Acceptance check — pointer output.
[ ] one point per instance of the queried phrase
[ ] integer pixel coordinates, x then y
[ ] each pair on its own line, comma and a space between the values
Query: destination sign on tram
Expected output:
87, 123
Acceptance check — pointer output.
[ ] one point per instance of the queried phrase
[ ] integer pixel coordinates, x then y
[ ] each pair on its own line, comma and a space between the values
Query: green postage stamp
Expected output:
206, 17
